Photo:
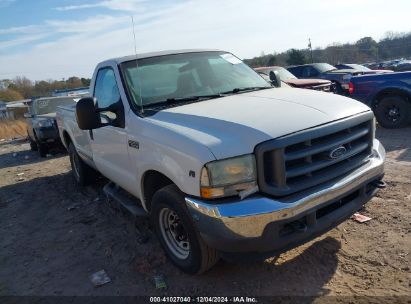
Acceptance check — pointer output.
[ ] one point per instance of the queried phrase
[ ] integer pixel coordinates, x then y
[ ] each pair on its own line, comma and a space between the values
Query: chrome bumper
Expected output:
227, 224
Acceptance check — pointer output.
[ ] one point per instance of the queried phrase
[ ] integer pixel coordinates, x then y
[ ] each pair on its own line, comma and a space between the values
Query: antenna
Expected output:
138, 77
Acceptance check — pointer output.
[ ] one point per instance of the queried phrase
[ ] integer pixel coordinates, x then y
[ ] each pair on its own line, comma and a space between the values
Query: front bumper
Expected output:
47, 134
260, 224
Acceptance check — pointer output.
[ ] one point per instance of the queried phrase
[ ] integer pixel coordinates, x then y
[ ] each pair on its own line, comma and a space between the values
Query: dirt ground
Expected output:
53, 236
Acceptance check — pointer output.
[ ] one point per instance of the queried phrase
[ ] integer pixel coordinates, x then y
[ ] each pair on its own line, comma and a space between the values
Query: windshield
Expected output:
283, 73
324, 67
161, 79
49, 105
359, 67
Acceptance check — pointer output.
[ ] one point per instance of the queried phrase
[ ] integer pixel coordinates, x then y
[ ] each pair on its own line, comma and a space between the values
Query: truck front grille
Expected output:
305, 159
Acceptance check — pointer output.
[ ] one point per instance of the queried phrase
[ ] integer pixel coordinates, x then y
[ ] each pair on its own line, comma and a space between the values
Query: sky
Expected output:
55, 39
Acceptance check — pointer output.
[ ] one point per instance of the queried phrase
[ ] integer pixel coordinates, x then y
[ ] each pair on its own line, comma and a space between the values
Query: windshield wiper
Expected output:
169, 102
192, 98
238, 90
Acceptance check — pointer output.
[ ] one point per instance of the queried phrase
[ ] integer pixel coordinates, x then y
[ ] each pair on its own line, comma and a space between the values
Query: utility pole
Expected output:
311, 50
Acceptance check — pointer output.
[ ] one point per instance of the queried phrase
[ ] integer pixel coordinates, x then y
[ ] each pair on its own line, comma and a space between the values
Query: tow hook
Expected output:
298, 226
379, 184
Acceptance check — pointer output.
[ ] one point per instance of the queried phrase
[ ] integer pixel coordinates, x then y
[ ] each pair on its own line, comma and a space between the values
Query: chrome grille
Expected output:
314, 156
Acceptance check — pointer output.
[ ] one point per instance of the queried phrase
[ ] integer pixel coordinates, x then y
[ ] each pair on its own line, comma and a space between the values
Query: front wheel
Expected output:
33, 145
393, 112
82, 173
177, 234
42, 149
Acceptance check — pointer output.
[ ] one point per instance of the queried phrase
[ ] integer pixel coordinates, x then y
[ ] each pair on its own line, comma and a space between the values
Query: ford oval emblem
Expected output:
337, 152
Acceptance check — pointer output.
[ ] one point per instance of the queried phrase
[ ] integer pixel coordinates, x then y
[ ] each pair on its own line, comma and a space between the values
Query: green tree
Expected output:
367, 47
85, 82
271, 60
42, 88
295, 57
73, 82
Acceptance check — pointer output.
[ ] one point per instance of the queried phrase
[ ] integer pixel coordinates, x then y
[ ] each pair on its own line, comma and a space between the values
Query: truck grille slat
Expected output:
320, 148
327, 174
314, 166
314, 156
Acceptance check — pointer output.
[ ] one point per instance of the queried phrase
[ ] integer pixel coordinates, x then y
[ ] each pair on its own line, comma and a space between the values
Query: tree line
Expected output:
23, 88
391, 46
365, 50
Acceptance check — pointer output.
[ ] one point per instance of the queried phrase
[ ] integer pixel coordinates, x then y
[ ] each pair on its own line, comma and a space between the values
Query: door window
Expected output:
106, 89
309, 72
296, 71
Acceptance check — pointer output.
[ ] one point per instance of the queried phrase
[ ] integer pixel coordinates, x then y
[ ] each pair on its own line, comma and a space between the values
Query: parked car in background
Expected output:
290, 79
41, 120
340, 78
222, 162
388, 95
359, 67
403, 66
397, 65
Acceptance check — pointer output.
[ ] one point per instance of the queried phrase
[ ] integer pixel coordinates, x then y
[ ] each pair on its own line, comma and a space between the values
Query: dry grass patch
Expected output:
13, 128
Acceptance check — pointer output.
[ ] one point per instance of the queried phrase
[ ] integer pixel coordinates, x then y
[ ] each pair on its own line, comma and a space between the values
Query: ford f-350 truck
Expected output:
223, 163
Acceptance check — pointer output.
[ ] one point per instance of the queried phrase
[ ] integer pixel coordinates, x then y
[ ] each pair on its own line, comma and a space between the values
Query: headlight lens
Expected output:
228, 177
45, 123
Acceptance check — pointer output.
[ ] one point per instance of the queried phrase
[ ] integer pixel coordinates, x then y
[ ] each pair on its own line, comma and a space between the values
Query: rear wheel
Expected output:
177, 234
337, 88
83, 174
393, 112
33, 145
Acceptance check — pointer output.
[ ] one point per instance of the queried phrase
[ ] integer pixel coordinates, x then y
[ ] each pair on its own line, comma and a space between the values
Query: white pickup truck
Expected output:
224, 163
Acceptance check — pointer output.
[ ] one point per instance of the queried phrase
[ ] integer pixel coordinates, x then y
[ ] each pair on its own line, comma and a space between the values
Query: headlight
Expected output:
45, 123
228, 177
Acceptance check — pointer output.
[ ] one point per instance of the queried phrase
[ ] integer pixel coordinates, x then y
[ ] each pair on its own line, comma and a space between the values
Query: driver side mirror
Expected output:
87, 116
275, 79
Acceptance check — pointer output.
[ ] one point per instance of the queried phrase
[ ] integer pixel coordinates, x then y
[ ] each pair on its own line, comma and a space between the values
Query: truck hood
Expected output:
235, 124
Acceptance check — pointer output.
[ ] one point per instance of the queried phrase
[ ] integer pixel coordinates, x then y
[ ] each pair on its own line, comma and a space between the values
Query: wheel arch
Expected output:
151, 182
66, 138
390, 92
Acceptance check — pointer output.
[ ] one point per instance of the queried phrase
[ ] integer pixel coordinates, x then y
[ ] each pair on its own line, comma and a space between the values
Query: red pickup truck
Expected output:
290, 79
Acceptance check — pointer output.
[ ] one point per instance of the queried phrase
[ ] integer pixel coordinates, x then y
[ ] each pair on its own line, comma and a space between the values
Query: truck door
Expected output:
109, 143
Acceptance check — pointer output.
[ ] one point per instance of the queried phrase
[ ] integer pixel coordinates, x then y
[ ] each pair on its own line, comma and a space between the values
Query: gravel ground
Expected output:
53, 236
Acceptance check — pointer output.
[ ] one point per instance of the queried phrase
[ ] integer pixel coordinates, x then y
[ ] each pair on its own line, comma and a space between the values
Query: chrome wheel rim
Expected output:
393, 113
174, 234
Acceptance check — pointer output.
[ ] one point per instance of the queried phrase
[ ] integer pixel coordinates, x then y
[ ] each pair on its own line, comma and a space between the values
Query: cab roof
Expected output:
119, 60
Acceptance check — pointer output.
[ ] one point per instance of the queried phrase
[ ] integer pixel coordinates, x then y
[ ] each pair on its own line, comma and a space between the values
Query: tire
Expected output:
33, 145
393, 112
338, 88
42, 149
83, 174
196, 258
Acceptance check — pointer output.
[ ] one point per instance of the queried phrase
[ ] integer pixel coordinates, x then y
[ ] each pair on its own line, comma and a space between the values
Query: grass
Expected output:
13, 128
